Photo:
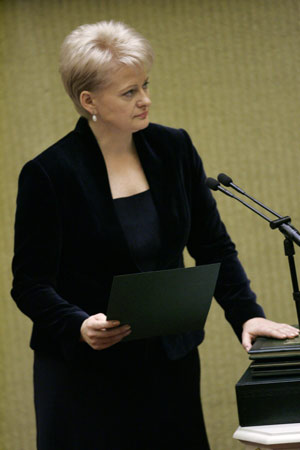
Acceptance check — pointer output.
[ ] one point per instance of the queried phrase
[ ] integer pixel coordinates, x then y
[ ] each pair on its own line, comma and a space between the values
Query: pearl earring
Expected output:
94, 118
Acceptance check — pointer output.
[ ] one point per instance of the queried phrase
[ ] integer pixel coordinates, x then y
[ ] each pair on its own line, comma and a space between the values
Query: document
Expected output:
163, 302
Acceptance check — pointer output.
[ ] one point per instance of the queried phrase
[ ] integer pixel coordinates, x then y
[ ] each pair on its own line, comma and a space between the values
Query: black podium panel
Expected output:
268, 400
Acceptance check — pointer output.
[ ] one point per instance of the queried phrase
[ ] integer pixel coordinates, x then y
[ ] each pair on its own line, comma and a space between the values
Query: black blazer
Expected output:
69, 243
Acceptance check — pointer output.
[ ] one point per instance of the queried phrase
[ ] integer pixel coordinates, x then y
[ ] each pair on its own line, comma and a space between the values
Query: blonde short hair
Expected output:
90, 54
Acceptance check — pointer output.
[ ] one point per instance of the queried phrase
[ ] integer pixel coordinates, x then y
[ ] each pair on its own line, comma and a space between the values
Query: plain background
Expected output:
228, 72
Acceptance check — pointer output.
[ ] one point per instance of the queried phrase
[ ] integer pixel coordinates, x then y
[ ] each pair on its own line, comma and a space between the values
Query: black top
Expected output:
140, 223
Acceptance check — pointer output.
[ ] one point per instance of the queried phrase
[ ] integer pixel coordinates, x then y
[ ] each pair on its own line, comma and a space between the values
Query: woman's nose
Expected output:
144, 100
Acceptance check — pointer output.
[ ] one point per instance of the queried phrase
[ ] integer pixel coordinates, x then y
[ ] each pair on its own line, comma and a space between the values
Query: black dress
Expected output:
134, 397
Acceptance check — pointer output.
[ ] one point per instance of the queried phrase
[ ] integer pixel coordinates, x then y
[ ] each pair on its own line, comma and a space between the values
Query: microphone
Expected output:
227, 181
215, 186
282, 223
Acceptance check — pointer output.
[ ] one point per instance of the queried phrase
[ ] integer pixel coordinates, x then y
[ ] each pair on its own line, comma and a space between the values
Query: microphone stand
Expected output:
282, 224
289, 251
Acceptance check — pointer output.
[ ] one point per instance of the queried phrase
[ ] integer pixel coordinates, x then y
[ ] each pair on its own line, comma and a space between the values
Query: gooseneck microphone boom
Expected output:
282, 223
213, 184
227, 181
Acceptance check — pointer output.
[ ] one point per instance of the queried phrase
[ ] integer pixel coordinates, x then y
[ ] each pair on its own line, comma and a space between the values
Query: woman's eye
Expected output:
129, 93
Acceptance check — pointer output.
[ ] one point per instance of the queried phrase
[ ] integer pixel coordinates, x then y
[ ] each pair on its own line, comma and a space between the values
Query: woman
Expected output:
117, 195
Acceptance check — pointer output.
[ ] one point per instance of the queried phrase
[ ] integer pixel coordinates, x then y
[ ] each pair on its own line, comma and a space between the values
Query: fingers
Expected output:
101, 343
282, 331
275, 329
104, 339
100, 333
100, 321
246, 341
106, 333
259, 326
289, 330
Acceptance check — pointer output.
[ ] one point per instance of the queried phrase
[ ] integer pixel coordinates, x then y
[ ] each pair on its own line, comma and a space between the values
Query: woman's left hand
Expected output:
259, 326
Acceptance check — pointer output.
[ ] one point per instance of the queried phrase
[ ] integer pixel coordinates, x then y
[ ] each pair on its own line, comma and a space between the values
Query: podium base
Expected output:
268, 400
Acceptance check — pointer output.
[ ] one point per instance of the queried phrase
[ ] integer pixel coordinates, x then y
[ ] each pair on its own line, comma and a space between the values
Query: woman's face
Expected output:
124, 104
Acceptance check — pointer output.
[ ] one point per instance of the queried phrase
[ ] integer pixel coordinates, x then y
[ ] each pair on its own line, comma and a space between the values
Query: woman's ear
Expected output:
87, 102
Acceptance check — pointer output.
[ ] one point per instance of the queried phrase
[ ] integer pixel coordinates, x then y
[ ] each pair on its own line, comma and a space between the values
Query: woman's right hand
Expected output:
100, 333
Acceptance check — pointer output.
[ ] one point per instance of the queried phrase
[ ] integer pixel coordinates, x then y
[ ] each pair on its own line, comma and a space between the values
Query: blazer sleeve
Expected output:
37, 251
209, 242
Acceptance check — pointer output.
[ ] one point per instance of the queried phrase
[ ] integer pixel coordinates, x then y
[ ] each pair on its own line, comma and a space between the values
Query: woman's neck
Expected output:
112, 141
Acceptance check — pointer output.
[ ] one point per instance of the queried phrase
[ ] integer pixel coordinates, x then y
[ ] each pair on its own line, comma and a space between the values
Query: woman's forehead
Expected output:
127, 76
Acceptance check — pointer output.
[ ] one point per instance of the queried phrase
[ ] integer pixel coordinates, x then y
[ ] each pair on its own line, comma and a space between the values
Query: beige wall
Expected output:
228, 72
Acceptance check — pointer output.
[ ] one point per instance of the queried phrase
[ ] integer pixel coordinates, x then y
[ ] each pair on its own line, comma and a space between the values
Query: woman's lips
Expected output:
143, 115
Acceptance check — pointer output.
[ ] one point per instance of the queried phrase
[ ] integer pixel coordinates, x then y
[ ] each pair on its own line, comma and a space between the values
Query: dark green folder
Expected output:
163, 302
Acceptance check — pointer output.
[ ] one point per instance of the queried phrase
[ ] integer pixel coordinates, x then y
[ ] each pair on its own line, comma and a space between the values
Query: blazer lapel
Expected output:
155, 163
119, 258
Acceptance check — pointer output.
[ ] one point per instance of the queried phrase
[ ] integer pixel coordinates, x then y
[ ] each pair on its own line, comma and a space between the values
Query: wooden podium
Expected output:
269, 412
